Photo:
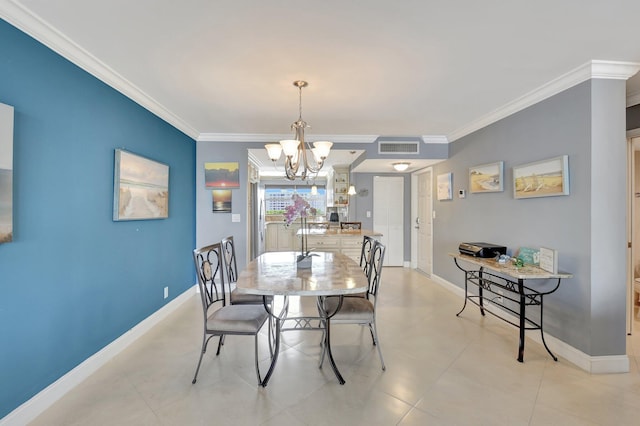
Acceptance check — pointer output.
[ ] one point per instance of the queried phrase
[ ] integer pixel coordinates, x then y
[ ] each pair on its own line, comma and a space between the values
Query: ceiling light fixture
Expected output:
400, 167
296, 152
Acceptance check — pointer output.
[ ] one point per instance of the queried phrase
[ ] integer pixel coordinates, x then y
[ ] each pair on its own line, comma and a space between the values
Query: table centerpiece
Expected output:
300, 209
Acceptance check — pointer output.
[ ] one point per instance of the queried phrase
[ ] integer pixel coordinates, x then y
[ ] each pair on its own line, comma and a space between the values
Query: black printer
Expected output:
484, 250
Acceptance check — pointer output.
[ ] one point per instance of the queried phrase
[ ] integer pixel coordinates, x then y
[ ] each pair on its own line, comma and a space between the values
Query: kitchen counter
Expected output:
345, 241
332, 232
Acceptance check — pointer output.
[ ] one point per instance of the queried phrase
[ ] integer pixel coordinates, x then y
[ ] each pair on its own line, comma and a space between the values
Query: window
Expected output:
278, 198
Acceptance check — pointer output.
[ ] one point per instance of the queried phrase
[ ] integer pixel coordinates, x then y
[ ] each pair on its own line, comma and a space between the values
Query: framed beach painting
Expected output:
487, 178
444, 189
221, 175
140, 187
545, 178
6, 173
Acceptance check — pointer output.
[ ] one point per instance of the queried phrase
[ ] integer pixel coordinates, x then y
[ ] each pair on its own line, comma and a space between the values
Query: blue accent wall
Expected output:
73, 280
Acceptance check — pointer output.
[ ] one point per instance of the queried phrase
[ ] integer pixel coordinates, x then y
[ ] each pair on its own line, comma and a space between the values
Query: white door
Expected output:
388, 215
423, 224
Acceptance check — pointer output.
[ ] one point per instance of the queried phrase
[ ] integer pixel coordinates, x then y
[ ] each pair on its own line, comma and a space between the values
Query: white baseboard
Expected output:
44, 399
591, 364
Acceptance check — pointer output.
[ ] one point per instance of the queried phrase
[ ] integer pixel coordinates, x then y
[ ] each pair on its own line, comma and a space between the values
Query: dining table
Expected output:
274, 274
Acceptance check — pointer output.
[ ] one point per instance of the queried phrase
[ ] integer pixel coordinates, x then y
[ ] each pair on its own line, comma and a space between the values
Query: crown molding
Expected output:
274, 137
25, 20
633, 99
31, 24
435, 139
593, 69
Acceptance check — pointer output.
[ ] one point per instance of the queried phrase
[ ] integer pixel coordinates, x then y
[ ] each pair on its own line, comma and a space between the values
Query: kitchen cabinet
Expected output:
347, 242
340, 186
337, 187
280, 237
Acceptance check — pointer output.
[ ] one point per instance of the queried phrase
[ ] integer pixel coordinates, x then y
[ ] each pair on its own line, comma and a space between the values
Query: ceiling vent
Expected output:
399, 147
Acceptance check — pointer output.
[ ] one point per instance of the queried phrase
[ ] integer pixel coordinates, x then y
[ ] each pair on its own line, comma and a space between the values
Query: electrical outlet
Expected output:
166, 292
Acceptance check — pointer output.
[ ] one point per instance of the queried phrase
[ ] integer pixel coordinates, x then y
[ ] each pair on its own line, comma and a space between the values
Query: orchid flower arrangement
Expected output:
300, 209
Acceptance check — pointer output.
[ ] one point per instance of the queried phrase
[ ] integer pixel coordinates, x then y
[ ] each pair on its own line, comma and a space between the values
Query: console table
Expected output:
505, 283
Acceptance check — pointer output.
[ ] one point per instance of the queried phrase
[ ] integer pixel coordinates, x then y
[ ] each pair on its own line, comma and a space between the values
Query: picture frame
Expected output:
221, 200
140, 187
549, 260
545, 178
6, 173
486, 178
444, 186
221, 175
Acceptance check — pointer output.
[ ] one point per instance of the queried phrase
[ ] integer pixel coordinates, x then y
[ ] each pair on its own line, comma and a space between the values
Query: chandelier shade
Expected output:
274, 150
296, 150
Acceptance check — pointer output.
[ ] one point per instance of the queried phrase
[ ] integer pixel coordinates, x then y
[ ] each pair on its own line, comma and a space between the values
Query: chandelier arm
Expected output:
290, 168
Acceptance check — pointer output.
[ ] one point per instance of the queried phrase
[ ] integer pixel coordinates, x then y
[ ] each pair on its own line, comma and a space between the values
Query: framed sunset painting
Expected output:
221, 175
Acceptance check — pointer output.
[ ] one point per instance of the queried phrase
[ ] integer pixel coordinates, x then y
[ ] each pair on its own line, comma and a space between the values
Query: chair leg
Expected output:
376, 342
373, 338
205, 342
220, 343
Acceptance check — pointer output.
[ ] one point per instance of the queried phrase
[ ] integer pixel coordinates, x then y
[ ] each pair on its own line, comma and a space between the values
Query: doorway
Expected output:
422, 232
388, 216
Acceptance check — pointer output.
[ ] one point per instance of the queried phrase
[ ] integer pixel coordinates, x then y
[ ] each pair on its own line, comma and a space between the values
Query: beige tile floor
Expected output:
441, 370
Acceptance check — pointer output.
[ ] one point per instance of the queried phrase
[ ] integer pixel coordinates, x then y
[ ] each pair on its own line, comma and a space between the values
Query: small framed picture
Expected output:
546, 178
221, 199
444, 182
486, 178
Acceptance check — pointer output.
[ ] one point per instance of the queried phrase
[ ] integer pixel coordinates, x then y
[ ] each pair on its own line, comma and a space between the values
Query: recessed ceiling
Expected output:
375, 67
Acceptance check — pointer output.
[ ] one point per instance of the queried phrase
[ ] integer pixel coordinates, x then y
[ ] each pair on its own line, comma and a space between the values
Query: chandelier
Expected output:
301, 160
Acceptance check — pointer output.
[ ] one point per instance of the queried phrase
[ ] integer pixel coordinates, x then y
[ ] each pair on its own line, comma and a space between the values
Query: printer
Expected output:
484, 250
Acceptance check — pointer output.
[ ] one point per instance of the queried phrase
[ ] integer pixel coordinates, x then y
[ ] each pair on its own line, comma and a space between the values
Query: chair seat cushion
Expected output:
356, 309
247, 299
246, 319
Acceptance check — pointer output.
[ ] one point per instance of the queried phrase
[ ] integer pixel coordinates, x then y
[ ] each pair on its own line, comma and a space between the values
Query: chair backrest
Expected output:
208, 263
377, 255
350, 225
365, 255
229, 259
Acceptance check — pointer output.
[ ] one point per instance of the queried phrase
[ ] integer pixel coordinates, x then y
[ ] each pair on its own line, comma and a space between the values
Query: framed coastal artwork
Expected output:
444, 186
221, 175
6, 173
545, 178
221, 199
487, 178
140, 187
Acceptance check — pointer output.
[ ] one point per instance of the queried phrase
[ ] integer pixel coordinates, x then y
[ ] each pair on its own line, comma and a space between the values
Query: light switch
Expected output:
235, 218
368, 213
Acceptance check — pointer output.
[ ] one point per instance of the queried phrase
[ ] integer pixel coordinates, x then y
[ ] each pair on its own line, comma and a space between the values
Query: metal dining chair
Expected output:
365, 255
221, 319
231, 271
235, 298
361, 310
